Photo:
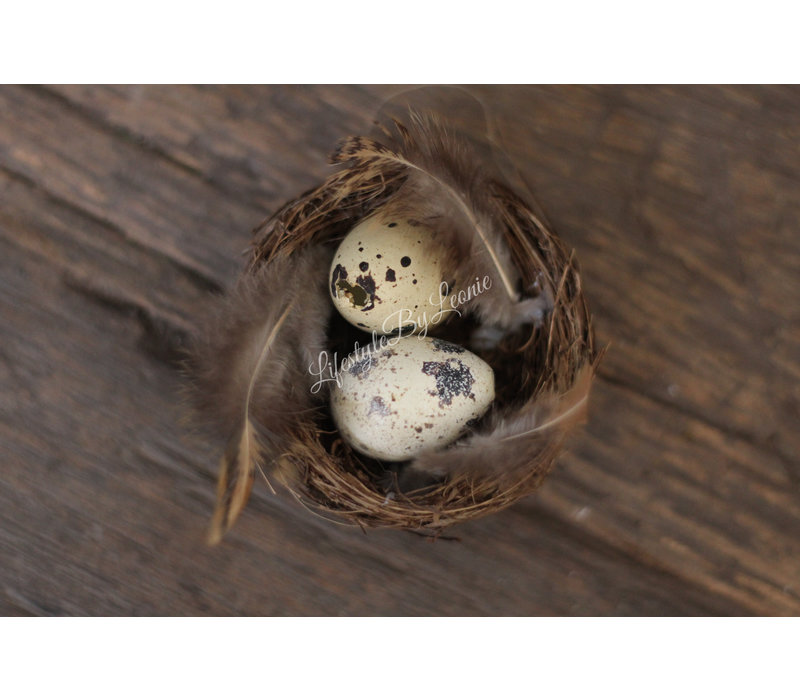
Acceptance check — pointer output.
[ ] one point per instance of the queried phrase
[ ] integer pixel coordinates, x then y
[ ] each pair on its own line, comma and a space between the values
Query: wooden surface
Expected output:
123, 208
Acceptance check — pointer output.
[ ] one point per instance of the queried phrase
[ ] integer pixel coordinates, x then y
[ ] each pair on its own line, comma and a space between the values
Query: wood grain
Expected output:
122, 209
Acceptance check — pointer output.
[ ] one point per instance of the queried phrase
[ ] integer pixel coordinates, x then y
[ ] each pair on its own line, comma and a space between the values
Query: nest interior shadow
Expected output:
543, 369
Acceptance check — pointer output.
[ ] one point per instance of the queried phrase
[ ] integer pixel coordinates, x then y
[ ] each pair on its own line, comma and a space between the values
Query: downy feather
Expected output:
251, 369
507, 447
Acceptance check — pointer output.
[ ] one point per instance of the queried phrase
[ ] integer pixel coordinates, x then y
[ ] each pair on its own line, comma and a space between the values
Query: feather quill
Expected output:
251, 369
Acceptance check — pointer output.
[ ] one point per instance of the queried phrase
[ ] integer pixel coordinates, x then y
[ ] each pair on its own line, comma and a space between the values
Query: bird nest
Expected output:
543, 365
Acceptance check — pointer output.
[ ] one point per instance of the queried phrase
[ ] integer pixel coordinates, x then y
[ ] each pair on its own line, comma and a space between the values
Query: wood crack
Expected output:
165, 337
199, 277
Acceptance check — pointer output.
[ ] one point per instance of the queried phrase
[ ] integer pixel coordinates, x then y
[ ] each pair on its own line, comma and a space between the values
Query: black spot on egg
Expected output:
390, 276
393, 224
444, 346
453, 378
363, 266
377, 406
339, 273
355, 293
405, 261
413, 281
360, 369
368, 285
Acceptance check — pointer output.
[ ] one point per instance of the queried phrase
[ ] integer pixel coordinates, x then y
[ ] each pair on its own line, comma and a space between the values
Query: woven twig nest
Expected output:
543, 366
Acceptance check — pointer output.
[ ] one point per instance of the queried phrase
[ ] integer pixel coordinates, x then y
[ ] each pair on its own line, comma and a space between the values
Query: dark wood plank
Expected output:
259, 143
122, 208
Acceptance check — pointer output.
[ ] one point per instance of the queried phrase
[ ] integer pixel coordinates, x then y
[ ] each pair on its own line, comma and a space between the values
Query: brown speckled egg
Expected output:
407, 395
387, 274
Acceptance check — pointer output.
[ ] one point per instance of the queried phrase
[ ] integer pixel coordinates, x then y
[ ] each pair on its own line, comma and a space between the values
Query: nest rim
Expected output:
333, 481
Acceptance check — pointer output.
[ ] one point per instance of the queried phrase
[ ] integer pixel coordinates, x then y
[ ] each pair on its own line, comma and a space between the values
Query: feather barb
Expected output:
242, 456
570, 408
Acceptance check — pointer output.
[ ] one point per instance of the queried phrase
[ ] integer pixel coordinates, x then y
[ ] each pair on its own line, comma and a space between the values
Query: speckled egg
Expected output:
387, 274
407, 395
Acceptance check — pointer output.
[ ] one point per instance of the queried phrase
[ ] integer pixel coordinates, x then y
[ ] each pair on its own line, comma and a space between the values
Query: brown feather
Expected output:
447, 188
251, 369
512, 442
236, 476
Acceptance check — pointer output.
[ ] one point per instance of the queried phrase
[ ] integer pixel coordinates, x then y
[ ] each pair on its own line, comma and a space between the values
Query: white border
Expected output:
400, 658
410, 42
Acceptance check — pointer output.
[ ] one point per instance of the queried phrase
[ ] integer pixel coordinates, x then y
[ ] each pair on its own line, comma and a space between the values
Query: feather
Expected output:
447, 188
511, 443
236, 476
250, 369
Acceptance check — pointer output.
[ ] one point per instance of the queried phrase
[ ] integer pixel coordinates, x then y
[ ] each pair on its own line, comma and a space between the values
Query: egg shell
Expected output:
407, 395
387, 274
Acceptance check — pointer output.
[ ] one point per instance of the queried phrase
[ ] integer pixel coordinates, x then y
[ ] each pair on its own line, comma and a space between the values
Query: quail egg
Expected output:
405, 395
387, 275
